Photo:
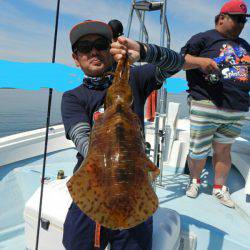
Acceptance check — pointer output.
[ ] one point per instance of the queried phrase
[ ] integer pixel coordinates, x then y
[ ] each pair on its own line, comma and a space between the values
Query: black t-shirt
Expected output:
79, 104
232, 90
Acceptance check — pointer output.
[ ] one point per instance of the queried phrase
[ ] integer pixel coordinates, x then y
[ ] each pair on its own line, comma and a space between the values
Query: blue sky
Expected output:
27, 26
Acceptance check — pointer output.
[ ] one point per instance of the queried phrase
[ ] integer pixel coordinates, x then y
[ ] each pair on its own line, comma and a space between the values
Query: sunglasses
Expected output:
87, 46
238, 18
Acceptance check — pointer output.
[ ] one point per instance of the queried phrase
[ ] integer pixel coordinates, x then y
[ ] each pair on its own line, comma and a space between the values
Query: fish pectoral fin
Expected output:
153, 171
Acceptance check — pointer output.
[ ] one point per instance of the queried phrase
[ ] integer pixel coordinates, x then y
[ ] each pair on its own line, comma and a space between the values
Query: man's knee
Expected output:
220, 149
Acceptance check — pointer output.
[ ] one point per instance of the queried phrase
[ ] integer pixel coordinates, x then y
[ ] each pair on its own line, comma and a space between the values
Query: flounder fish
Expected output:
113, 184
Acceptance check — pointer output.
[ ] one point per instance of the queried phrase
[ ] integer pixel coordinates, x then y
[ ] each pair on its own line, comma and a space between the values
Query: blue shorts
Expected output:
79, 234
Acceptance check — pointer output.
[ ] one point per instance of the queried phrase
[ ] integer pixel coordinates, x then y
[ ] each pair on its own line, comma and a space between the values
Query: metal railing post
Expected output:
140, 7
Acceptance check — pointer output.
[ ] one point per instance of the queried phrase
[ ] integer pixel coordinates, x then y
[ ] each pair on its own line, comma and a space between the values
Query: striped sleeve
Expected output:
168, 62
79, 134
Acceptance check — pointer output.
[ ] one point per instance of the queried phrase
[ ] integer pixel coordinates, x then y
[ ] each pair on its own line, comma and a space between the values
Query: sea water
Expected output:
24, 110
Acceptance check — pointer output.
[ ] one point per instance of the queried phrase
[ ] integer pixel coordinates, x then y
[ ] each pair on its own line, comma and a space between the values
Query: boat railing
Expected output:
29, 144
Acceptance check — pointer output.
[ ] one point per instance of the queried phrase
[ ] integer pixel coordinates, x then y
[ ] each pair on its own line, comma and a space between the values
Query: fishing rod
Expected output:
47, 130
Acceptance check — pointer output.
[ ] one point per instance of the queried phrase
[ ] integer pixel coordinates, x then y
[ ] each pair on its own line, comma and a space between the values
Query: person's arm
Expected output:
76, 122
206, 64
192, 50
79, 134
168, 62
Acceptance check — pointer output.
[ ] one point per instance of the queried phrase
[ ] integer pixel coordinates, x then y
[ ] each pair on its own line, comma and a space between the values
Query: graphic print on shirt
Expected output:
233, 61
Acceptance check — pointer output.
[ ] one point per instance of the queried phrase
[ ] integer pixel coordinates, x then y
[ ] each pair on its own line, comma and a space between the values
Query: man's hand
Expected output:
207, 65
125, 46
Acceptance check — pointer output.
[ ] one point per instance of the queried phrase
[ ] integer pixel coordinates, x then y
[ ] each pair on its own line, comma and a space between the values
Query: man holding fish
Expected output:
96, 55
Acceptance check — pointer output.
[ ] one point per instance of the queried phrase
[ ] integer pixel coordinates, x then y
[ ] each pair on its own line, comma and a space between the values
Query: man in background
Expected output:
217, 108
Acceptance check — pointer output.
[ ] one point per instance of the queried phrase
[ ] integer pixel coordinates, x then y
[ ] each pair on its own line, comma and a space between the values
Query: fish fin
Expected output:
153, 170
86, 185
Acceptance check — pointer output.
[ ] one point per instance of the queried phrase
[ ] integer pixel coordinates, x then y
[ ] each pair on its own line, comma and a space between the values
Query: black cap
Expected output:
90, 27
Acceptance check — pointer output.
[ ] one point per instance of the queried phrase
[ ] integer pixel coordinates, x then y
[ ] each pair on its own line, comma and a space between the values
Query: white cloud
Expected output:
12, 18
95, 9
187, 18
197, 11
82, 10
25, 38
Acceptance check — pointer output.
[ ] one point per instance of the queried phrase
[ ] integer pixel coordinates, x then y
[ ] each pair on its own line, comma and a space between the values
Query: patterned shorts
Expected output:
209, 123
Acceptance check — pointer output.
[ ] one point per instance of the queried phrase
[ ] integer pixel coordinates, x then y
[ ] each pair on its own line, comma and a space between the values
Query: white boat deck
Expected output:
214, 226
206, 223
